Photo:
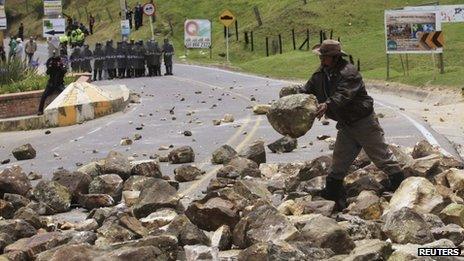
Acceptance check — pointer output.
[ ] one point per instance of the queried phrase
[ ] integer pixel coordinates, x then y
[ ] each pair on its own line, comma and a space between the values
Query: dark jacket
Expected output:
56, 69
343, 89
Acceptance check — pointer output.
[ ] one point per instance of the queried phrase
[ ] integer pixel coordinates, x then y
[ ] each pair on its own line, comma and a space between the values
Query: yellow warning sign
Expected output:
227, 18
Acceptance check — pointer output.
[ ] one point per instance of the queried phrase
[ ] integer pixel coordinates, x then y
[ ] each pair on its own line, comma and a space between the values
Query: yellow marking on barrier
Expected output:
102, 108
67, 115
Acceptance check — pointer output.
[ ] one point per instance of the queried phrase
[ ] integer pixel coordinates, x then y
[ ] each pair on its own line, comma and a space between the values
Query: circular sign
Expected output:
191, 28
149, 9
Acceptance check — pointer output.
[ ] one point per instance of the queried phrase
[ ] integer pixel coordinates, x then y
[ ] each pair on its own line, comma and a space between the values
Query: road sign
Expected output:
448, 13
52, 7
149, 9
197, 33
227, 18
54, 27
125, 28
432, 40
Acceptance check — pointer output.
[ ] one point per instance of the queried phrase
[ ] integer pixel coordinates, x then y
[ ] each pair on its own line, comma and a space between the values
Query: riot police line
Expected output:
128, 60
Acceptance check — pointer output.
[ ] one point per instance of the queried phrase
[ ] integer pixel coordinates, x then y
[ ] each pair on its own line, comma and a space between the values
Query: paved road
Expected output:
221, 92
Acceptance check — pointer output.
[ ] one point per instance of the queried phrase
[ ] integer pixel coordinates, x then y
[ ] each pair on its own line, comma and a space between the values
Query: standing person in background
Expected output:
99, 58
158, 54
31, 48
12, 45
53, 45
137, 15
131, 59
21, 31
110, 60
86, 57
2, 53
141, 15
76, 59
91, 23
168, 51
129, 15
19, 49
56, 70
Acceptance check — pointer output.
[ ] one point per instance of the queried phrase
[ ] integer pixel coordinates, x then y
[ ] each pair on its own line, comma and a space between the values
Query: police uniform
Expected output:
99, 59
86, 57
168, 51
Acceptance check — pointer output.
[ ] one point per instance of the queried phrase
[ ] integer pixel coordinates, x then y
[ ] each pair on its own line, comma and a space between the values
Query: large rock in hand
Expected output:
293, 115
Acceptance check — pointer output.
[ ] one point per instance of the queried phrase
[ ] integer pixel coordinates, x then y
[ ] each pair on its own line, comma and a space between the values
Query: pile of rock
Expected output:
252, 210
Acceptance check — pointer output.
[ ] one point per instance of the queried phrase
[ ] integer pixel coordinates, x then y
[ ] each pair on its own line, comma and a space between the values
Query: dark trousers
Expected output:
364, 134
121, 72
49, 90
168, 69
91, 29
158, 70
29, 57
97, 72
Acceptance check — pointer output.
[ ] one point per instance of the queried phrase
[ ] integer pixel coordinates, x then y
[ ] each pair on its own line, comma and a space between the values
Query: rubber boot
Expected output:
335, 191
395, 181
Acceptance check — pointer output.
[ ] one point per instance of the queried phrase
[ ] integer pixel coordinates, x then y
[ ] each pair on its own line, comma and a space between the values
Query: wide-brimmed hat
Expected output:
329, 48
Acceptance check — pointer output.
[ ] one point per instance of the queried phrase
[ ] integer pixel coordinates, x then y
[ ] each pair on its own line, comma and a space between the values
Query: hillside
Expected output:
358, 23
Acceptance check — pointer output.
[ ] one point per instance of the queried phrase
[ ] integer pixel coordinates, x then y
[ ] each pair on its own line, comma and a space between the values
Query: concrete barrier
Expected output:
80, 101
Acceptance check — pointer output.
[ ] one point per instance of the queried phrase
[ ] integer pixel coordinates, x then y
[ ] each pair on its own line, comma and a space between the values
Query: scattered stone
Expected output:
92, 169
187, 133
137, 136
5, 161
407, 226
34, 175
370, 249
367, 205
255, 152
54, 195
222, 238
261, 109
110, 184
228, 118
125, 142
323, 137
324, 232
245, 167
159, 218
453, 214
182, 155
283, 145
18, 201
423, 149
423, 167
216, 122
418, 194
6, 209
200, 252
325, 122
24, 152
210, 214
76, 182
29, 215
186, 232
223, 155
116, 163
13, 180
87, 225
452, 232
130, 198
147, 168
187, 173
293, 115
91, 201
159, 195
29, 247
47, 132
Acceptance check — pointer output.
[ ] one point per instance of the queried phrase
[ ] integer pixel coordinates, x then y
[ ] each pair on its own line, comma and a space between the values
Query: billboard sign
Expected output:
404, 30
52, 7
2, 15
197, 33
125, 28
448, 13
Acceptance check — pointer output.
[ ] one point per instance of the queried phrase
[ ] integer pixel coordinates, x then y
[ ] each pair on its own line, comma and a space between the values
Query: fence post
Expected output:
280, 44
331, 34
359, 65
236, 30
258, 16
225, 32
320, 37
267, 46
293, 39
247, 41
252, 42
307, 37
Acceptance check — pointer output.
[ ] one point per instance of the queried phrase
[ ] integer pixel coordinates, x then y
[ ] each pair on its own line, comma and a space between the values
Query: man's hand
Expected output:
321, 109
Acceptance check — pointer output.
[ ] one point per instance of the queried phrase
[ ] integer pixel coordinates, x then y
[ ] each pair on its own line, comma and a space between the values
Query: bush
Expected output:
16, 76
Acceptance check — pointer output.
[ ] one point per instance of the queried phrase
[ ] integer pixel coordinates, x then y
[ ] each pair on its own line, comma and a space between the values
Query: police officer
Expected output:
131, 59
150, 57
121, 59
168, 51
56, 70
76, 59
158, 56
86, 57
139, 59
110, 59
99, 59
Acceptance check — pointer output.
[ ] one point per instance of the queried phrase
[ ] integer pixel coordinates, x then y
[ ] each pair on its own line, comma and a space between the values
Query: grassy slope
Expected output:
364, 39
